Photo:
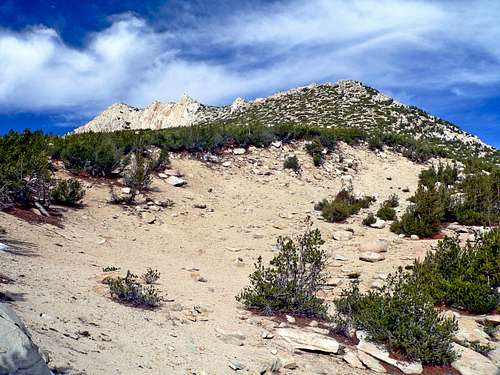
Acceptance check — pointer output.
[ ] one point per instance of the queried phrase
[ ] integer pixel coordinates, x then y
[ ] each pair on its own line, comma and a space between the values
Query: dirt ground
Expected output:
204, 256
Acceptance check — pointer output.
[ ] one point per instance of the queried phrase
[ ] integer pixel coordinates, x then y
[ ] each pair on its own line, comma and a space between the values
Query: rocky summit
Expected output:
346, 103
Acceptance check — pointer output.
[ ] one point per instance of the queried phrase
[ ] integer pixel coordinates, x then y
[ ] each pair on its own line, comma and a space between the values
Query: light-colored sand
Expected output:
60, 295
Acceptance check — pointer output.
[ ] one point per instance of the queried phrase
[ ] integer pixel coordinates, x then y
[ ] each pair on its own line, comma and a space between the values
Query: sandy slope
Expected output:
61, 298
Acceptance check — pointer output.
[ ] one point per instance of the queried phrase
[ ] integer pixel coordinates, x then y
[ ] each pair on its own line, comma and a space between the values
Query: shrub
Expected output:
463, 277
369, 219
424, 217
385, 212
401, 316
68, 192
138, 174
151, 276
291, 162
392, 201
110, 269
315, 149
24, 169
444, 174
129, 290
292, 280
342, 206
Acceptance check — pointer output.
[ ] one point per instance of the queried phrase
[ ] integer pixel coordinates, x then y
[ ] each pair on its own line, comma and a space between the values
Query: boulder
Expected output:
494, 355
342, 235
148, 217
471, 332
377, 246
383, 355
472, 363
379, 224
371, 257
311, 341
371, 362
239, 151
351, 358
18, 354
176, 181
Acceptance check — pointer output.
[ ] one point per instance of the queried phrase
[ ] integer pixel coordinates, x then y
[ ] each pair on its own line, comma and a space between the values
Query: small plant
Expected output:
110, 269
151, 276
392, 201
291, 162
138, 174
463, 277
315, 149
342, 206
68, 192
369, 219
385, 212
401, 316
425, 216
292, 280
129, 290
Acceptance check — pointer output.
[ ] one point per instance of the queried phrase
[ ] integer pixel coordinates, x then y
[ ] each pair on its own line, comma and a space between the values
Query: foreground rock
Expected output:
377, 246
18, 354
473, 363
383, 355
342, 235
371, 257
309, 341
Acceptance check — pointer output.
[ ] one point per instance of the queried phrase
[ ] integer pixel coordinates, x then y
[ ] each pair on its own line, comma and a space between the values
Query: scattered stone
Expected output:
235, 365
290, 319
383, 355
200, 206
176, 181
371, 362
172, 172
414, 237
334, 282
233, 338
101, 241
351, 358
226, 164
371, 257
201, 279
239, 151
379, 224
470, 362
342, 235
162, 175
471, 332
352, 274
148, 217
311, 341
377, 246
277, 144
377, 284
266, 335
126, 190
42, 210
313, 323
18, 354
340, 258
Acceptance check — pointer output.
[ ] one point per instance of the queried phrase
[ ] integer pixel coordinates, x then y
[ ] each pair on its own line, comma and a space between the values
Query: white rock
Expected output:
162, 175
471, 332
370, 362
383, 355
472, 363
377, 246
379, 224
239, 151
277, 144
126, 190
351, 358
304, 340
414, 237
176, 181
371, 257
342, 235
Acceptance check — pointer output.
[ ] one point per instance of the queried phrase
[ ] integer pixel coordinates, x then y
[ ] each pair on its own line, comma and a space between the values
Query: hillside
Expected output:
342, 104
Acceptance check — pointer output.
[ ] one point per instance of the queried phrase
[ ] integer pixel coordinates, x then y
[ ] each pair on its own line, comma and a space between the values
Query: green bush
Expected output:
342, 206
68, 192
424, 217
401, 316
315, 149
392, 201
129, 290
465, 277
137, 176
24, 169
151, 276
292, 280
369, 219
291, 162
385, 212
444, 174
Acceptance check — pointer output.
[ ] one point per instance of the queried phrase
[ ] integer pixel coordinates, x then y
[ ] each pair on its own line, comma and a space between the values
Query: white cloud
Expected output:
395, 45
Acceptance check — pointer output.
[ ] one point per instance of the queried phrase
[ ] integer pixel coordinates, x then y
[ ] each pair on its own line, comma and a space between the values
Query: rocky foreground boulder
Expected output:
18, 354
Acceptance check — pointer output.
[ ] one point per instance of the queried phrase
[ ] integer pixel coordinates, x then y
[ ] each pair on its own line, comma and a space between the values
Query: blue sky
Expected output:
62, 62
